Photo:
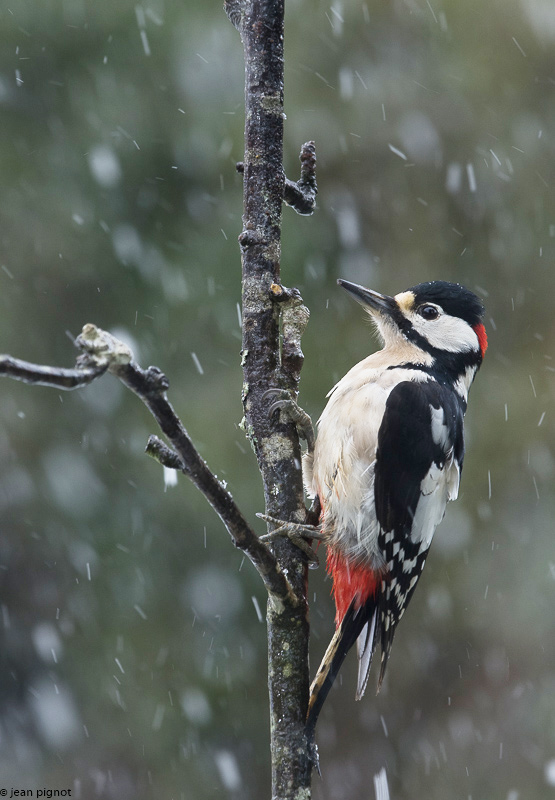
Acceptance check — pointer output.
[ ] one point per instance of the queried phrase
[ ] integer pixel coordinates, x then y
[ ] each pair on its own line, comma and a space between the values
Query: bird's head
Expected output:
443, 320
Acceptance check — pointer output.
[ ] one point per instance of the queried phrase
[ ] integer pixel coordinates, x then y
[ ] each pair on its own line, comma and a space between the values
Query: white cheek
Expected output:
447, 333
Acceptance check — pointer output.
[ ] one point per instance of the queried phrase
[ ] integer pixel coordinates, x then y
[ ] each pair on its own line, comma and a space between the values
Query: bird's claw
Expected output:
297, 533
296, 414
313, 754
280, 405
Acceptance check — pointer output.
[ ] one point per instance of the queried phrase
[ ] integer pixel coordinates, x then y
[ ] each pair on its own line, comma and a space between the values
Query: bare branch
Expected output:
149, 387
103, 352
301, 194
57, 377
164, 455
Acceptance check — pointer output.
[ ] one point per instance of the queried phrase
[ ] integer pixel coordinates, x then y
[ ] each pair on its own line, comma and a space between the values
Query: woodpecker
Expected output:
388, 456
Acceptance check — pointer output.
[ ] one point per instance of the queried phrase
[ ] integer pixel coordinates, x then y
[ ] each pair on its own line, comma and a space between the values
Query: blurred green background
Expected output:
132, 657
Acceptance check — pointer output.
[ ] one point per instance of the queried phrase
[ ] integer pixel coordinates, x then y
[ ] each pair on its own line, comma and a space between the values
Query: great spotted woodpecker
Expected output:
388, 457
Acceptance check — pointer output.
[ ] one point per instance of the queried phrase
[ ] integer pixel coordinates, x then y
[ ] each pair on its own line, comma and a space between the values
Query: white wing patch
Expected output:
431, 506
440, 431
440, 484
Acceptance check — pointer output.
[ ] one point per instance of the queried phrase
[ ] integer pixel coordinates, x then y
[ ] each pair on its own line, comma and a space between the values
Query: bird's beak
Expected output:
372, 301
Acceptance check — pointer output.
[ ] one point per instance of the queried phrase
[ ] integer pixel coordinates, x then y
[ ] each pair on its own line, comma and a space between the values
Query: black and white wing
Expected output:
418, 465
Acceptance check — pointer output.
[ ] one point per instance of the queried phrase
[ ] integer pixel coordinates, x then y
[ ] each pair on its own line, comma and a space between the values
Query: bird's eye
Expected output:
428, 312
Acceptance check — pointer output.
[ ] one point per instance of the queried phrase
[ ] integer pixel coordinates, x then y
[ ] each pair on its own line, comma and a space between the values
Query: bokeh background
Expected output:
132, 654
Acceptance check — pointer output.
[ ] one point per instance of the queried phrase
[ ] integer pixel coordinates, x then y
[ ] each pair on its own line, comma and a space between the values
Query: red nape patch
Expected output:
480, 332
350, 581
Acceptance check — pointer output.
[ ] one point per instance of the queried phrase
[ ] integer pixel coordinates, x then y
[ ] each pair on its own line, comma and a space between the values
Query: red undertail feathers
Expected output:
351, 582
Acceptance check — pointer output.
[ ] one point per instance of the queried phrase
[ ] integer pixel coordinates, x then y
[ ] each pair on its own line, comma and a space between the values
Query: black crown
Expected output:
454, 299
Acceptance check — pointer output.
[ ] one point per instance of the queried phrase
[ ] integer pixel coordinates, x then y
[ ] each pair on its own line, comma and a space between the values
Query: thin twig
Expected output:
164, 455
301, 194
58, 377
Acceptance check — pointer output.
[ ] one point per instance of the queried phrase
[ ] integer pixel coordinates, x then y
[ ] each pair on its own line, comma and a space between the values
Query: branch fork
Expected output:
301, 194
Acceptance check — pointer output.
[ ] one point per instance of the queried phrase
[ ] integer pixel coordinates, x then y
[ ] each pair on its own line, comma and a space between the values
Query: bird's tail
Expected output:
366, 644
351, 627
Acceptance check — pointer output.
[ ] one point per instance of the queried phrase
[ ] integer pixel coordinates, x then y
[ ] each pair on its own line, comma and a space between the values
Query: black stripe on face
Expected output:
406, 327
449, 363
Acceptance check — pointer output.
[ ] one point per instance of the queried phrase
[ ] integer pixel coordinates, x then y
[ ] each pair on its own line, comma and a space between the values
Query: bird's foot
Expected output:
313, 755
297, 533
285, 403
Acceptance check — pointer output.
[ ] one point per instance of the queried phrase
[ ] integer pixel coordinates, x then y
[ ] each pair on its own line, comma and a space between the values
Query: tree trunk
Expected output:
266, 364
